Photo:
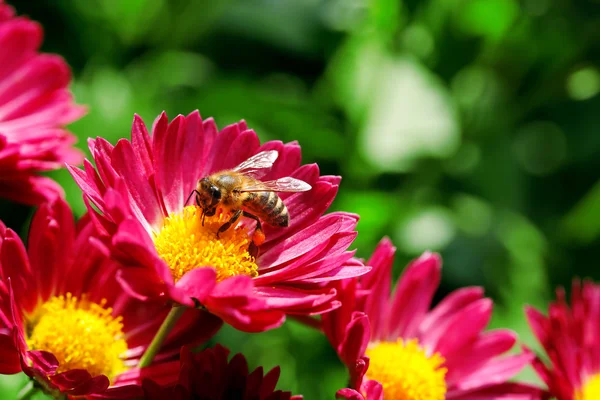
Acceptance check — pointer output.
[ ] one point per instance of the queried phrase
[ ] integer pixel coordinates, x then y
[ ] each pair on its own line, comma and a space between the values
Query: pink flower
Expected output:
139, 188
65, 321
396, 346
571, 338
209, 375
35, 104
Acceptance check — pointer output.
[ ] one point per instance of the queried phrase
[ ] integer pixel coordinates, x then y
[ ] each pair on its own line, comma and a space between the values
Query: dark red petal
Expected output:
68, 380
97, 384
43, 361
10, 360
270, 381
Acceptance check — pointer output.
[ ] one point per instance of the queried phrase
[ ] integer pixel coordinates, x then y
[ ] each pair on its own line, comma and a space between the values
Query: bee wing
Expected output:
286, 184
262, 160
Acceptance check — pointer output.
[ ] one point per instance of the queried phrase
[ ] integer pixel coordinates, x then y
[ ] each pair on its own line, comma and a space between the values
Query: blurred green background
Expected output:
468, 127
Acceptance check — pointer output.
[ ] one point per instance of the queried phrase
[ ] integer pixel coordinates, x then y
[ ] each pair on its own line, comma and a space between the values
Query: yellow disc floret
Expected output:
590, 389
184, 244
406, 371
80, 334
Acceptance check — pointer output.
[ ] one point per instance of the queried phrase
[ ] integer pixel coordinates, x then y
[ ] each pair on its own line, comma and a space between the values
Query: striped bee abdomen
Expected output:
269, 207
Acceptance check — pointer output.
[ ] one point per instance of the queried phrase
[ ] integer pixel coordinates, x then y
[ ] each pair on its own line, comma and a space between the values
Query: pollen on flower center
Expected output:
184, 244
406, 372
81, 335
590, 389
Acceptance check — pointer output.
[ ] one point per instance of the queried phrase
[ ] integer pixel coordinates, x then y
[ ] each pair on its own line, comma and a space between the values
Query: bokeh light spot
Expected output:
428, 229
583, 83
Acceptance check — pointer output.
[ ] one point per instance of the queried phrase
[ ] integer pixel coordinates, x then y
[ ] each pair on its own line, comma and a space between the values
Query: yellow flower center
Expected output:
184, 244
80, 334
590, 389
406, 372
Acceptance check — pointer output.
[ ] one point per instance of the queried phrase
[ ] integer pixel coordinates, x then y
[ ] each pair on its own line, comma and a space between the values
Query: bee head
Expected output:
207, 197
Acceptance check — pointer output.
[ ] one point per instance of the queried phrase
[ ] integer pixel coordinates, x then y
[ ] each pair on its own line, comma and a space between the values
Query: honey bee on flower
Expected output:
239, 193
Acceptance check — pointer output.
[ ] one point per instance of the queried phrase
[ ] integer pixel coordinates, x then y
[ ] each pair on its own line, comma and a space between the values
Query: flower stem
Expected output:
28, 390
164, 330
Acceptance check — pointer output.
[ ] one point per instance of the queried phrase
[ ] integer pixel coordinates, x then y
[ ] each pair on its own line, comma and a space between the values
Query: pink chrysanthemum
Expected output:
209, 375
65, 321
139, 188
35, 104
571, 338
396, 346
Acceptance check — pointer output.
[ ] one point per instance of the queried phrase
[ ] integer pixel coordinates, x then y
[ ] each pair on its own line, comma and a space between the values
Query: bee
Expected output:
239, 192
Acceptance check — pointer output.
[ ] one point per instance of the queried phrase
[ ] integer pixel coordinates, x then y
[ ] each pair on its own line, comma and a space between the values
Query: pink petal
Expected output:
413, 296
243, 147
198, 283
31, 190
343, 272
334, 323
168, 147
233, 300
145, 204
42, 74
209, 136
142, 145
356, 339
51, 238
464, 327
496, 371
19, 41
539, 325
379, 281
505, 391
482, 351
373, 390
295, 299
287, 162
441, 314
217, 158
304, 241
15, 266
348, 394
90, 183
198, 142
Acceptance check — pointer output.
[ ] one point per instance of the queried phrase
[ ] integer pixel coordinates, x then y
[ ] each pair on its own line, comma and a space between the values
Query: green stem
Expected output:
164, 330
28, 390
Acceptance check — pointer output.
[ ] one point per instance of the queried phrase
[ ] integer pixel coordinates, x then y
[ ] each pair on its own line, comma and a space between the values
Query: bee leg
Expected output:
198, 204
258, 237
253, 250
236, 215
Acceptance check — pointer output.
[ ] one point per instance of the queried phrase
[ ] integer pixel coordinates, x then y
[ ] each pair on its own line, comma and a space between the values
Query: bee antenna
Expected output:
190, 196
